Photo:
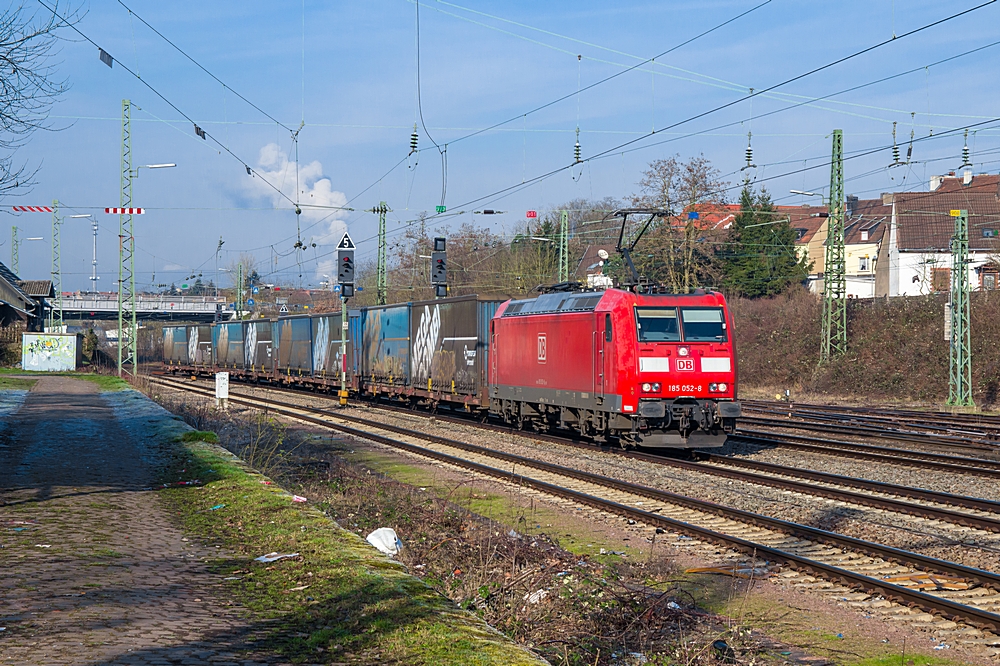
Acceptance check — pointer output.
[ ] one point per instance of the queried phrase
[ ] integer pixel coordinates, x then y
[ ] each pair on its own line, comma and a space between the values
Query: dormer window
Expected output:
864, 234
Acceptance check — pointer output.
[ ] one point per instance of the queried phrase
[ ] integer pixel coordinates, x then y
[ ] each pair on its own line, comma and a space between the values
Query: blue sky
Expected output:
347, 71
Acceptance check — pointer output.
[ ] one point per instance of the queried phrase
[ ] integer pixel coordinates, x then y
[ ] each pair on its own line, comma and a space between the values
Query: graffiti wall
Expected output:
49, 352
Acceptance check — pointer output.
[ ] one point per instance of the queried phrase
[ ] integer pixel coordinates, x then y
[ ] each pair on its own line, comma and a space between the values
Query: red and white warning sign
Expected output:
531, 214
32, 209
124, 211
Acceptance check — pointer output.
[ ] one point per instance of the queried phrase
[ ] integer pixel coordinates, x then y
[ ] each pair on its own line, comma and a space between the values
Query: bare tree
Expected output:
29, 84
679, 250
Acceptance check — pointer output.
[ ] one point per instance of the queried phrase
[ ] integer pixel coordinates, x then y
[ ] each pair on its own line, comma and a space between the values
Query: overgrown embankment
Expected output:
896, 347
332, 597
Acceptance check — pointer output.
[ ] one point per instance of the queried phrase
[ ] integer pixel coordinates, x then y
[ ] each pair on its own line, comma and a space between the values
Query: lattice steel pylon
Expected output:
564, 246
14, 260
960, 368
127, 329
381, 278
834, 333
56, 314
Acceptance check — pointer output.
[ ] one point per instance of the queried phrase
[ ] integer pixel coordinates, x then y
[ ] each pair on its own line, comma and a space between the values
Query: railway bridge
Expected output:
149, 307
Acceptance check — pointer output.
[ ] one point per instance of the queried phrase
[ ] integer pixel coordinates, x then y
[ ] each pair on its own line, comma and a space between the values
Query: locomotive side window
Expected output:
703, 325
657, 325
607, 328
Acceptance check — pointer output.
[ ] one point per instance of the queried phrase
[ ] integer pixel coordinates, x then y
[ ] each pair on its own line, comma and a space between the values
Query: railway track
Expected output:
953, 435
871, 452
933, 421
961, 593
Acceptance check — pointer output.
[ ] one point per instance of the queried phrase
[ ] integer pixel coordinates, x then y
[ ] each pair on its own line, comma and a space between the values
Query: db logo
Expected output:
685, 365
542, 350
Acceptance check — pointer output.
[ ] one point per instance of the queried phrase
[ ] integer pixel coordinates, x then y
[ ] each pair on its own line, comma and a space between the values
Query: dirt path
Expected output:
92, 570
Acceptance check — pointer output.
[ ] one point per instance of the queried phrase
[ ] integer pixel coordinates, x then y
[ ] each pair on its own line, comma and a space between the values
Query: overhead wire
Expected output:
169, 103
198, 65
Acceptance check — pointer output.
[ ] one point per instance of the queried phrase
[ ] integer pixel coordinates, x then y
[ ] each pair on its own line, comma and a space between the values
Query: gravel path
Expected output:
92, 569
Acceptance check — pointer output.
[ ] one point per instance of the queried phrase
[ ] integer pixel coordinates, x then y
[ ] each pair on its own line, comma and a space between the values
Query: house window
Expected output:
799, 233
941, 279
864, 264
864, 237
989, 281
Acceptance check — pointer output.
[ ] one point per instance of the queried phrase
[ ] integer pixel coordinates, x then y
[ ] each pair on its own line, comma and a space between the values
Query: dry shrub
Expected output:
572, 609
896, 347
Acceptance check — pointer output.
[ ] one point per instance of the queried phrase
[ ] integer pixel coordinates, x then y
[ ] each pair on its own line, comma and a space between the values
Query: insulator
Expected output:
965, 151
413, 139
576, 148
749, 155
895, 153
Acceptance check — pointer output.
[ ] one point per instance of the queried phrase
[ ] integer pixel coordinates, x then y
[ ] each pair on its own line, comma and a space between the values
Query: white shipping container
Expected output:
51, 352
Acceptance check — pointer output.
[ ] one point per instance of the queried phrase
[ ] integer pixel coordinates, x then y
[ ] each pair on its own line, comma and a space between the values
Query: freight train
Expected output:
645, 370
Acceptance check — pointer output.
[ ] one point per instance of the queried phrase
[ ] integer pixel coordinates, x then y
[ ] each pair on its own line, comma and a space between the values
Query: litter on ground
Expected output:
385, 540
274, 557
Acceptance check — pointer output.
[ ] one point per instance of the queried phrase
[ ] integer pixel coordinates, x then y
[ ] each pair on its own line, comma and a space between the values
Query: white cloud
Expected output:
317, 198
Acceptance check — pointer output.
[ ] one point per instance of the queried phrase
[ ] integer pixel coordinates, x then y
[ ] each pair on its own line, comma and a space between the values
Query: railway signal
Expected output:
439, 268
345, 267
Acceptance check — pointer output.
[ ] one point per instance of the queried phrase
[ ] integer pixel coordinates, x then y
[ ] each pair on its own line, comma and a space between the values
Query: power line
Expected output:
613, 76
250, 170
200, 66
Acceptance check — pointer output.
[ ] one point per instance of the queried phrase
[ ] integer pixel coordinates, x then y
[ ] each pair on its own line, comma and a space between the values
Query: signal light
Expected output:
345, 271
683, 351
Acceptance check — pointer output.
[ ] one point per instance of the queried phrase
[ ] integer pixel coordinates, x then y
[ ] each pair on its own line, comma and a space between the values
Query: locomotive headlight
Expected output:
656, 387
713, 387
683, 351
722, 387
647, 387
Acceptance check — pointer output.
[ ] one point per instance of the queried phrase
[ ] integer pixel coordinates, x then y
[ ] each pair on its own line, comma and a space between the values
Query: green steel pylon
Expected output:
56, 314
239, 290
13, 250
381, 278
127, 328
834, 333
960, 368
564, 247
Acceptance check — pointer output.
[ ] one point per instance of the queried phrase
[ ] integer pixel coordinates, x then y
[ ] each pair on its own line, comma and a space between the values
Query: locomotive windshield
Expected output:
662, 324
657, 325
703, 325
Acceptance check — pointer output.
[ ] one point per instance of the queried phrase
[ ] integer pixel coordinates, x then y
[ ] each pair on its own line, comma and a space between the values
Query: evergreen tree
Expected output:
760, 257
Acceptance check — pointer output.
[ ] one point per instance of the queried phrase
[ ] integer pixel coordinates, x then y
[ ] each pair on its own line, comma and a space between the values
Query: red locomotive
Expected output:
651, 370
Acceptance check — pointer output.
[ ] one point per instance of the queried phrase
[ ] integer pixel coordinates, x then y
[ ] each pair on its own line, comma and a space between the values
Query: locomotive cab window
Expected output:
703, 325
607, 328
657, 325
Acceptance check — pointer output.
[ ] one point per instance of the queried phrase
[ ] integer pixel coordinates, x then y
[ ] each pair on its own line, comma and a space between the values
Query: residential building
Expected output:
916, 260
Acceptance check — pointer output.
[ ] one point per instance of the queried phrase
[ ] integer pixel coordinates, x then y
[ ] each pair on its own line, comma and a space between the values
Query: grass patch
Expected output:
104, 382
340, 600
16, 383
200, 436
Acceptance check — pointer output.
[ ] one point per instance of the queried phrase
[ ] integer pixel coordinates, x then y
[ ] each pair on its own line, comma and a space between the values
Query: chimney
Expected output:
852, 204
936, 182
887, 198
967, 177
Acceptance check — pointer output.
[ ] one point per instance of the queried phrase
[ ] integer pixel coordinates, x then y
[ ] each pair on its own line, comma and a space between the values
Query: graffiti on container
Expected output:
193, 345
321, 343
385, 344
250, 346
425, 342
46, 352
